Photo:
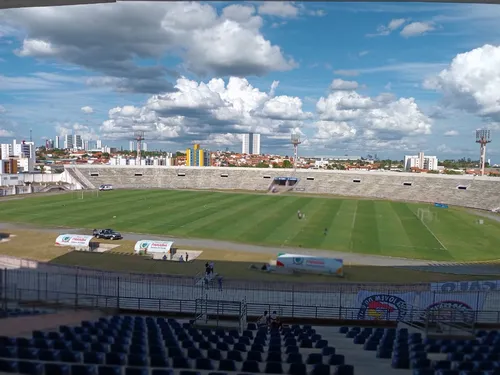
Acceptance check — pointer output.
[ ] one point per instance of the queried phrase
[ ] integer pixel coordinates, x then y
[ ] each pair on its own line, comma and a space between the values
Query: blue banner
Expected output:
440, 205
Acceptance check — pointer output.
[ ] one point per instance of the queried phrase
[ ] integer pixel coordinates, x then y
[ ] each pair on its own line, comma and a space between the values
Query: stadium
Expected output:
224, 271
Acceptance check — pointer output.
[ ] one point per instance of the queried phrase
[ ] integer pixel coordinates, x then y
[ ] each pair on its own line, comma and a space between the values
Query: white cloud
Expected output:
87, 109
451, 133
279, 9
2, 109
197, 111
417, 29
471, 82
346, 72
382, 122
104, 39
384, 30
363, 53
340, 84
6, 133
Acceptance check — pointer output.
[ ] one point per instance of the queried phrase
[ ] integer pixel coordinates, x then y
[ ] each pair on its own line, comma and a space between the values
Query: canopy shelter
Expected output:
311, 264
154, 248
78, 241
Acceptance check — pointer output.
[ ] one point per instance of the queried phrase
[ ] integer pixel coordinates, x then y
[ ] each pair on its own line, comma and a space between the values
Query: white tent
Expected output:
153, 247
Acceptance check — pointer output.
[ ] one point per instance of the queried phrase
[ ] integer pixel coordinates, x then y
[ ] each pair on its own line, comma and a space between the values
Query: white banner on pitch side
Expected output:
380, 306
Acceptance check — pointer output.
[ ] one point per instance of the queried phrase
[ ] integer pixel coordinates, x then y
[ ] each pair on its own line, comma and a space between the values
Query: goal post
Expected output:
85, 194
426, 215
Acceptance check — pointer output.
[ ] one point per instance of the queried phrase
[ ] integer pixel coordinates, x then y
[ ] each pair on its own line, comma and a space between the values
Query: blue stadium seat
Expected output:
93, 358
240, 347
214, 354
344, 370
227, 365
57, 369
136, 371
314, 359
273, 368
297, 369
31, 368
157, 360
250, 366
235, 355
71, 356
84, 370
174, 352
273, 357
204, 364
49, 355
257, 348
8, 366
163, 371
194, 353
336, 360
222, 346
320, 370
180, 362
8, 352
204, 345
27, 353
254, 356
291, 349
329, 350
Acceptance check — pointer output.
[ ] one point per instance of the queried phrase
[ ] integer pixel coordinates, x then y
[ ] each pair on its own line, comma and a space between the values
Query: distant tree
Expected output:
287, 164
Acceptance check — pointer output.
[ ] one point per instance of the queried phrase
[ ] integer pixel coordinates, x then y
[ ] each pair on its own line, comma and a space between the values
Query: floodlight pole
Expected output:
295, 140
483, 137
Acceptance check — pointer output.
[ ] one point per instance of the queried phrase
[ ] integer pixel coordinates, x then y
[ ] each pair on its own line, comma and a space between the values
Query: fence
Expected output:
162, 293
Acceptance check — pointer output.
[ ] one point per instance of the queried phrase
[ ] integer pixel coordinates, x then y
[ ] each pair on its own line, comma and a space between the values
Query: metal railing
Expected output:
179, 306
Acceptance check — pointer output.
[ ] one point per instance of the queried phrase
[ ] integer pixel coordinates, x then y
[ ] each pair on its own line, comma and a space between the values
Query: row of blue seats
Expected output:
142, 345
12, 313
453, 372
163, 359
35, 368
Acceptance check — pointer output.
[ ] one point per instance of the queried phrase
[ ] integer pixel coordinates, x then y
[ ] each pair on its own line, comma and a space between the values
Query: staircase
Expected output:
80, 178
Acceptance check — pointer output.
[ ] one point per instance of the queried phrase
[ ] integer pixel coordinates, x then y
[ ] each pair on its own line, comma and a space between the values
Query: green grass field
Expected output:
361, 226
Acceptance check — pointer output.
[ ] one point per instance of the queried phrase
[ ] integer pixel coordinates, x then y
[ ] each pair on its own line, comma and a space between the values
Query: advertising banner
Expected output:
466, 286
75, 240
309, 263
380, 306
149, 246
451, 306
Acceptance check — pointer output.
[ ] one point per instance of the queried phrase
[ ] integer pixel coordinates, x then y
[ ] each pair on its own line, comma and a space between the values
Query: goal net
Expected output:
85, 194
426, 215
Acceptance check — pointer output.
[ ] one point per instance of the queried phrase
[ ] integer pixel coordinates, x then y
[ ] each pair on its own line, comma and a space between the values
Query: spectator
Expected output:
181, 259
219, 280
274, 320
263, 320
164, 256
187, 257
211, 265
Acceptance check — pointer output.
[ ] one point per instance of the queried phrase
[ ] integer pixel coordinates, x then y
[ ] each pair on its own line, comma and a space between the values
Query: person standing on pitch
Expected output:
219, 280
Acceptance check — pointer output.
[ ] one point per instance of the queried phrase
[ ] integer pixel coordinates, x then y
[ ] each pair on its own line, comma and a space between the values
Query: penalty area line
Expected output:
431, 232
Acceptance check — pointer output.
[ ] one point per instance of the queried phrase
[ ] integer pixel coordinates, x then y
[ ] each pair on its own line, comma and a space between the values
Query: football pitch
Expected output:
398, 229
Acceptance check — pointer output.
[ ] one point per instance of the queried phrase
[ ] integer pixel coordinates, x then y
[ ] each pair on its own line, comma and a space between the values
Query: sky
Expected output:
351, 78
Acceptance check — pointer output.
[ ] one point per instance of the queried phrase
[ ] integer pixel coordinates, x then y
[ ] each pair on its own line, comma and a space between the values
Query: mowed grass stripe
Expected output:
266, 224
165, 207
235, 225
101, 213
191, 211
312, 233
285, 230
365, 232
376, 227
425, 244
393, 238
68, 213
205, 226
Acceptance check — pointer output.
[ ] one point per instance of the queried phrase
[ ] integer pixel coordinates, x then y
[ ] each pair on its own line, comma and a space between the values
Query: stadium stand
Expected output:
136, 345
459, 190
427, 355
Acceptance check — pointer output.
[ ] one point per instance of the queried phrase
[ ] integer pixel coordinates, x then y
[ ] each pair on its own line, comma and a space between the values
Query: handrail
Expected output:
189, 306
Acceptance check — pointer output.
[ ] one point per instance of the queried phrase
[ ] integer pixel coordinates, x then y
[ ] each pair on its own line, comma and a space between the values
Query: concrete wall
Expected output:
481, 192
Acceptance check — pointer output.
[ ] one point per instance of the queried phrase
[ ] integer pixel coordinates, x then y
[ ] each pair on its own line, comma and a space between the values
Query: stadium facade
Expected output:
458, 190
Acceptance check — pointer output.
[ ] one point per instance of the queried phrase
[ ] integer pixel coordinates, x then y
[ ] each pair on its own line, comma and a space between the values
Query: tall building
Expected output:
251, 144
86, 145
197, 157
6, 150
144, 146
421, 161
98, 144
57, 142
68, 141
77, 142
131, 146
49, 144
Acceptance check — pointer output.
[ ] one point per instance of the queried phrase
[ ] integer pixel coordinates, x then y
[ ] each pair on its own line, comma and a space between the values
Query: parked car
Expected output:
107, 234
105, 187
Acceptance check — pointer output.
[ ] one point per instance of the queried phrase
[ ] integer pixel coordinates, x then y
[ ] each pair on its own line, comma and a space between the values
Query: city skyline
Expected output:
347, 78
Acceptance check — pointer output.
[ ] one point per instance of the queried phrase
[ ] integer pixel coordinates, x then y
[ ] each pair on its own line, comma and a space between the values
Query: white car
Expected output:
105, 187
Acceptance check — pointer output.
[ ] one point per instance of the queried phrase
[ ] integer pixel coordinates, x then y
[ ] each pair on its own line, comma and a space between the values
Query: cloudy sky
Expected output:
352, 78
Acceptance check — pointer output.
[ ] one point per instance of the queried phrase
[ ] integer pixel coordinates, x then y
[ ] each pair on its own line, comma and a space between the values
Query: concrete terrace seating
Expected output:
135, 345
475, 192
429, 356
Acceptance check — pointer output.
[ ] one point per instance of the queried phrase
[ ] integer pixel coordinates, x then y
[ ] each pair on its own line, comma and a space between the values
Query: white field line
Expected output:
431, 232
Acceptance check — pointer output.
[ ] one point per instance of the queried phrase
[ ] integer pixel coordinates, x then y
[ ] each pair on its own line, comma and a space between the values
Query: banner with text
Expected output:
451, 306
380, 306
466, 286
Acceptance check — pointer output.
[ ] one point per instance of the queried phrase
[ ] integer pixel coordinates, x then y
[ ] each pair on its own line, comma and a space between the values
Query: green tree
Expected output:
287, 164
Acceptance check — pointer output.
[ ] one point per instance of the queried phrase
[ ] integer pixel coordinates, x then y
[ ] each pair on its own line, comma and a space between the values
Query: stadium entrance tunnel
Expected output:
281, 184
